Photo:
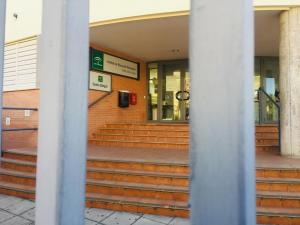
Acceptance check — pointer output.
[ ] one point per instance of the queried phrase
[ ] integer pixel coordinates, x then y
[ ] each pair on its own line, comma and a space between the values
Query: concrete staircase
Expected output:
161, 136
157, 187
267, 138
168, 136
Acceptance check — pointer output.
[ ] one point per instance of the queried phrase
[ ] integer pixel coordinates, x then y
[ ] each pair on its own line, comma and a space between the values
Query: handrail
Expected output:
278, 113
99, 99
19, 129
269, 97
19, 108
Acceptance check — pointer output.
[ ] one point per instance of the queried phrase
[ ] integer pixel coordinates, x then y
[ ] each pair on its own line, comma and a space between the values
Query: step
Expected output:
138, 205
278, 199
154, 191
145, 177
19, 155
264, 147
17, 190
17, 177
278, 184
267, 135
139, 144
266, 128
268, 141
278, 216
129, 131
18, 165
149, 126
147, 138
277, 172
138, 165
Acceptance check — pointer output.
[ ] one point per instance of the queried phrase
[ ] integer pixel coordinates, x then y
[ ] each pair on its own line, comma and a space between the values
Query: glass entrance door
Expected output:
175, 93
169, 96
266, 78
169, 91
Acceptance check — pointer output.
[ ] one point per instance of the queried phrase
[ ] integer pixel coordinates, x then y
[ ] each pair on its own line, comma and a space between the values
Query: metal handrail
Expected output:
99, 99
19, 129
260, 90
269, 97
19, 108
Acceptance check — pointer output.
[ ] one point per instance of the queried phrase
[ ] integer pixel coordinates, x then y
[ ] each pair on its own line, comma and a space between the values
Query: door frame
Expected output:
183, 65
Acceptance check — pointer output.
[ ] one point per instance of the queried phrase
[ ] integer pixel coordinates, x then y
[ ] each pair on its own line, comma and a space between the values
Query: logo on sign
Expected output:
100, 79
98, 61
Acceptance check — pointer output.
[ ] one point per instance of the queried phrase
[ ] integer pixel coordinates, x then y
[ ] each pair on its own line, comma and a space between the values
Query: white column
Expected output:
222, 120
2, 40
290, 82
60, 198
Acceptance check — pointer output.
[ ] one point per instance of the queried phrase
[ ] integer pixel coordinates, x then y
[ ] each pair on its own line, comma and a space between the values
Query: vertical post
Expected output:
62, 139
222, 115
2, 40
289, 81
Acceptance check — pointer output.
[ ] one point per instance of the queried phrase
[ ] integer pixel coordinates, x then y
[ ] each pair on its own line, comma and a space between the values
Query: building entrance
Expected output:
266, 78
169, 91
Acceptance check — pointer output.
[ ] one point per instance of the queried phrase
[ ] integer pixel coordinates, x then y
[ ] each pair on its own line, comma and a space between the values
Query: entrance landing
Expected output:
172, 156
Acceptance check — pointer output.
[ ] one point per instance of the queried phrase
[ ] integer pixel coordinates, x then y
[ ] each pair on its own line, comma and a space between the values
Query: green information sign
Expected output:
103, 62
96, 60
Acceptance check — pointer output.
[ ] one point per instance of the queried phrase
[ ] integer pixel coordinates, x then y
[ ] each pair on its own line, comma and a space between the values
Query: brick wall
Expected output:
20, 139
106, 111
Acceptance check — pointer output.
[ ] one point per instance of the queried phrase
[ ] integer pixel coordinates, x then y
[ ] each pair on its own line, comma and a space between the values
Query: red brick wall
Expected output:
20, 139
106, 111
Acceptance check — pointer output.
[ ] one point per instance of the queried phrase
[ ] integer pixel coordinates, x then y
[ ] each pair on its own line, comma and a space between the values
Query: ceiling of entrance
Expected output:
167, 38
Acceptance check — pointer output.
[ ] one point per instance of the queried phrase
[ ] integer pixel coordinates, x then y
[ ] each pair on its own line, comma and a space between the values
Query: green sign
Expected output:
100, 81
104, 62
96, 60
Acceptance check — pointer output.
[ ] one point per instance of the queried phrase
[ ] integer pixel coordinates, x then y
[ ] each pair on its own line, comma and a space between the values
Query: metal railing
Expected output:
36, 109
22, 128
99, 99
261, 92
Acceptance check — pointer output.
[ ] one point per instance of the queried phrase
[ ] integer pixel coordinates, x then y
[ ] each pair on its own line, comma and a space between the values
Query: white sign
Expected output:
120, 66
100, 81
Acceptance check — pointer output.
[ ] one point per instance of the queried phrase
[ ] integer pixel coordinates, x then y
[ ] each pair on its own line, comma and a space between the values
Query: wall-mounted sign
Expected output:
100, 81
101, 61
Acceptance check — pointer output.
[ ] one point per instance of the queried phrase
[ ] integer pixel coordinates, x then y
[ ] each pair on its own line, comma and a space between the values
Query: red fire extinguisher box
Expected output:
132, 98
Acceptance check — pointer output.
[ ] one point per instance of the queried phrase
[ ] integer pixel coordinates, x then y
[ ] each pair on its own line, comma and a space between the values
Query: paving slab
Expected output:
8, 201
97, 215
3, 196
145, 221
29, 215
20, 207
121, 218
5, 215
17, 221
180, 221
160, 219
89, 222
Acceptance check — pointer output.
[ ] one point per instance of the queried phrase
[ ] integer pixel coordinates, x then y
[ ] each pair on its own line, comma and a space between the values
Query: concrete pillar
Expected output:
290, 82
61, 166
222, 121
2, 40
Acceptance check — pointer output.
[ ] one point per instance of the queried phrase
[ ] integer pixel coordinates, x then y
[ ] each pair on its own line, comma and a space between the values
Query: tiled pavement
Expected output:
17, 211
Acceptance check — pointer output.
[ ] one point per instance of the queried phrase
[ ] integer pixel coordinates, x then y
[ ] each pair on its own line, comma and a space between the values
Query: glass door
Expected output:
266, 77
175, 92
168, 91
